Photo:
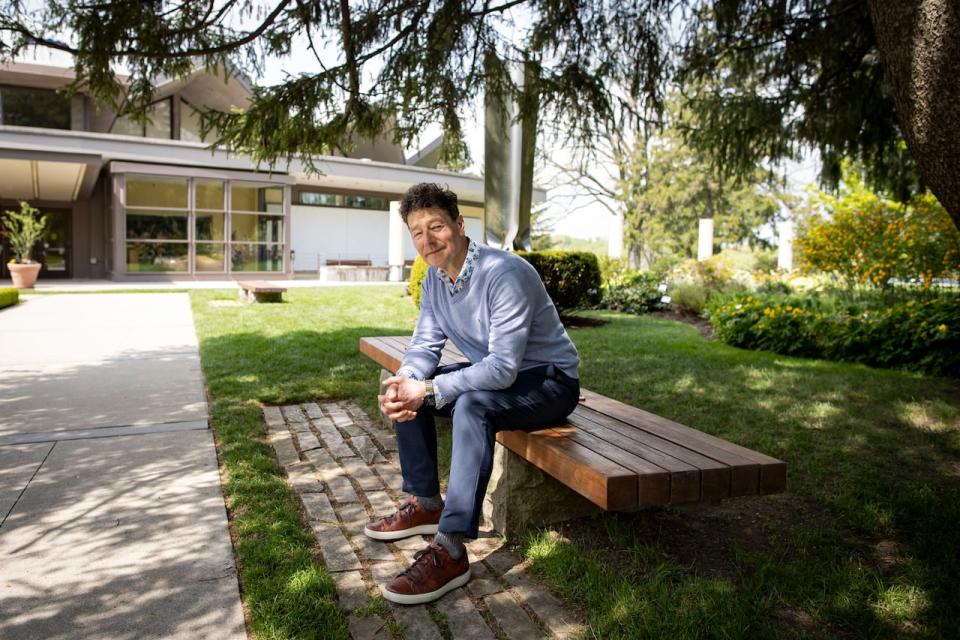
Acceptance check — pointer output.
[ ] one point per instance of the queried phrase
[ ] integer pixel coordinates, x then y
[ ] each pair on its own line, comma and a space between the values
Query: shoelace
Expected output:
405, 507
420, 559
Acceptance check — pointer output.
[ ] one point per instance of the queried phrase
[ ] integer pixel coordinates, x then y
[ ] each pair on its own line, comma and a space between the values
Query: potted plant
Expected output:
24, 229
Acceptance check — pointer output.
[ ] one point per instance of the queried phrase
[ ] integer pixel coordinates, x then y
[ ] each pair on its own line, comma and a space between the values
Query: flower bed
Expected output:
921, 335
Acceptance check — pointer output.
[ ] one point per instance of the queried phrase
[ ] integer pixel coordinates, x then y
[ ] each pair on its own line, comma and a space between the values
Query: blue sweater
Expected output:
502, 320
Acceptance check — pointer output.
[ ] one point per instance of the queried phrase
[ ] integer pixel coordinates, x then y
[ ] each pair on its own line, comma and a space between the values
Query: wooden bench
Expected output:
261, 291
336, 262
623, 458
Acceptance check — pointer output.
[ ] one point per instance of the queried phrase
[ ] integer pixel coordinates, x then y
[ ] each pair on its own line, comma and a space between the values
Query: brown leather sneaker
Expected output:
411, 519
431, 575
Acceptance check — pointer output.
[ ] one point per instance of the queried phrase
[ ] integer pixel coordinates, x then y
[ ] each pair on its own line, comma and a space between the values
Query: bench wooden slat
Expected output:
714, 476
772, 472
685, 478
653, 482
600, 480
381, 353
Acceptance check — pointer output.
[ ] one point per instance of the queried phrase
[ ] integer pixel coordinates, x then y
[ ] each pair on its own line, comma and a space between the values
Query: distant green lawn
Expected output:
865, 544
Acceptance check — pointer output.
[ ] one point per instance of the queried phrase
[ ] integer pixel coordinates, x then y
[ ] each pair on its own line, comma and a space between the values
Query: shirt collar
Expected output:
473, 255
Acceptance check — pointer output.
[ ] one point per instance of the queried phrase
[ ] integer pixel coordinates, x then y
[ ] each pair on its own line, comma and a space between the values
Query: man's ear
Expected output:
461, 225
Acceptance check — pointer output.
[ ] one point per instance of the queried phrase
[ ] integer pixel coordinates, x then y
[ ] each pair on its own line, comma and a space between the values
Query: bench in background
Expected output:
616, 456
261, 291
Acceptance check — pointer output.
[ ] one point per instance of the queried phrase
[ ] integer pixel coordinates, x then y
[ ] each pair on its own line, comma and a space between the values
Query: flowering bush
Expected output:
417, 273
917, 334
874, 241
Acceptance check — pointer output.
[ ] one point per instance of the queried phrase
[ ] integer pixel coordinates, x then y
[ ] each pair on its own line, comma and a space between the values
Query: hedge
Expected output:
920, 335
572, 278
9, 297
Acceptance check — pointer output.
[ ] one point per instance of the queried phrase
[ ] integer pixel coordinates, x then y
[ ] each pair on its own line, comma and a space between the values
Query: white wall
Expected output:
333, 233
349, 234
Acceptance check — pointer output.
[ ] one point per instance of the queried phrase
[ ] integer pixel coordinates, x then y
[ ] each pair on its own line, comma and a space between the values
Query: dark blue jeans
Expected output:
538, 398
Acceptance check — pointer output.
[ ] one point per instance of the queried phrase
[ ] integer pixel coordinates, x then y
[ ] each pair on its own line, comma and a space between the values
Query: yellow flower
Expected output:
942, 327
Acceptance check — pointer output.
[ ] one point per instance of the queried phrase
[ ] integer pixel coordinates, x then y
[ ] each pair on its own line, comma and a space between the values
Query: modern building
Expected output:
130, 201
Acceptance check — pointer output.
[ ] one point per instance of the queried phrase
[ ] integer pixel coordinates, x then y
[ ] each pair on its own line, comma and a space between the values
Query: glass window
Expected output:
247, 197
317, 198
124, 126
190, 124
210, 257
150, 257
256, 257
27, 107
150, 191
210, 194
253, 228
143, 224
209, 225
158, 123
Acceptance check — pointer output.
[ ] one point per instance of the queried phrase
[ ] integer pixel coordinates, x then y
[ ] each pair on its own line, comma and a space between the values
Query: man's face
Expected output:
438, 239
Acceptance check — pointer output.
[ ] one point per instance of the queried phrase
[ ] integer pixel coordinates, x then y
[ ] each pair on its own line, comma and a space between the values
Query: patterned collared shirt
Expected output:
473, 254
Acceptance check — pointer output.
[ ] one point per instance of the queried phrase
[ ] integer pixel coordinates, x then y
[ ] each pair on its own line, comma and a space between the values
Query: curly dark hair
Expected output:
428, 195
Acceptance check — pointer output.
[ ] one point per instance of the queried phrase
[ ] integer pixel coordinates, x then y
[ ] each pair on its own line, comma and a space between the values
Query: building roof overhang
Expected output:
94, 150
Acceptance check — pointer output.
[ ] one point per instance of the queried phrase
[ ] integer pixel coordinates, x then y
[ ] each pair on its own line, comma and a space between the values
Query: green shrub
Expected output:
9, 297
634, 292
691, 295
920, 334
612, 268
572, 278
417, 273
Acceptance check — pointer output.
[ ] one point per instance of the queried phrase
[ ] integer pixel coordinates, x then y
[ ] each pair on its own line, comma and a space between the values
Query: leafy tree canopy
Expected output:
406, 63
769, 76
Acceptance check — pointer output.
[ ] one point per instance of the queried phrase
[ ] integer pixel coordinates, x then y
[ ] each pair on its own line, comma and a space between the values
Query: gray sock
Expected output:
452, 542
432, 503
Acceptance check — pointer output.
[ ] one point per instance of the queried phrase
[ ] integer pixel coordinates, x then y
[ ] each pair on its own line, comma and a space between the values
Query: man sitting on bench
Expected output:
522, 374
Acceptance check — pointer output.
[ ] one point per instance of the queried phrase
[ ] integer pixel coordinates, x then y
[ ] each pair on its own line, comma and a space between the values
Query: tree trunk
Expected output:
919, 42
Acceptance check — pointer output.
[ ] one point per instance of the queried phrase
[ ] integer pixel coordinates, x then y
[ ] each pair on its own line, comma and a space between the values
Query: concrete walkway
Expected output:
112, 521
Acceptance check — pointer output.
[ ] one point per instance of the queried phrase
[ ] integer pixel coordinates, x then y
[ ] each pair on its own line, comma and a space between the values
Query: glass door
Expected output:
55, 248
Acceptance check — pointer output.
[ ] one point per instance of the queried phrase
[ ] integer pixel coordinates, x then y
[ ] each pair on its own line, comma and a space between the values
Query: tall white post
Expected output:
785, 231
615, 241
705, 244
395, 248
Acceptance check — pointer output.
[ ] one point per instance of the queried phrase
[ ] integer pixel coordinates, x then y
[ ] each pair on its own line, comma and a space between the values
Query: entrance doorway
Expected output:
53, 252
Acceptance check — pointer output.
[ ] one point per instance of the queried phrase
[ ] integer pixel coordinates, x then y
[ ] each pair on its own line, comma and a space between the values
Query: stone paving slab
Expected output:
362, 474
496, 603
18, 464
514, 621
336, 550
121, 538
318, 507
463, 618
351, 589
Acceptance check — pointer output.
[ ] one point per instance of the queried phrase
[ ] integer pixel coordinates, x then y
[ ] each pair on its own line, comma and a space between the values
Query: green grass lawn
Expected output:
864, 544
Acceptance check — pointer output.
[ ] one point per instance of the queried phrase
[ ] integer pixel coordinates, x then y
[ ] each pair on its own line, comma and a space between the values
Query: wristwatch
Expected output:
430, 398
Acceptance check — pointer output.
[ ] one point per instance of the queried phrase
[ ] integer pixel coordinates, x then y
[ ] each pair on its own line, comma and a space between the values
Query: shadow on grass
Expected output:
863, 545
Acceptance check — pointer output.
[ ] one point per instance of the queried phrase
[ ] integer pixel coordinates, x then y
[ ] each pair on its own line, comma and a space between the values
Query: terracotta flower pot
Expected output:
24, 275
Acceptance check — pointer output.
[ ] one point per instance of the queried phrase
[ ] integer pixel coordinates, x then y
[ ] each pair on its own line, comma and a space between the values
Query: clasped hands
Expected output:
401, 398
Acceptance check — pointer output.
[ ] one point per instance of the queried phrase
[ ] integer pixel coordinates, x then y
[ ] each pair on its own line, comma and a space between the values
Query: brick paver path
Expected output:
343, 468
